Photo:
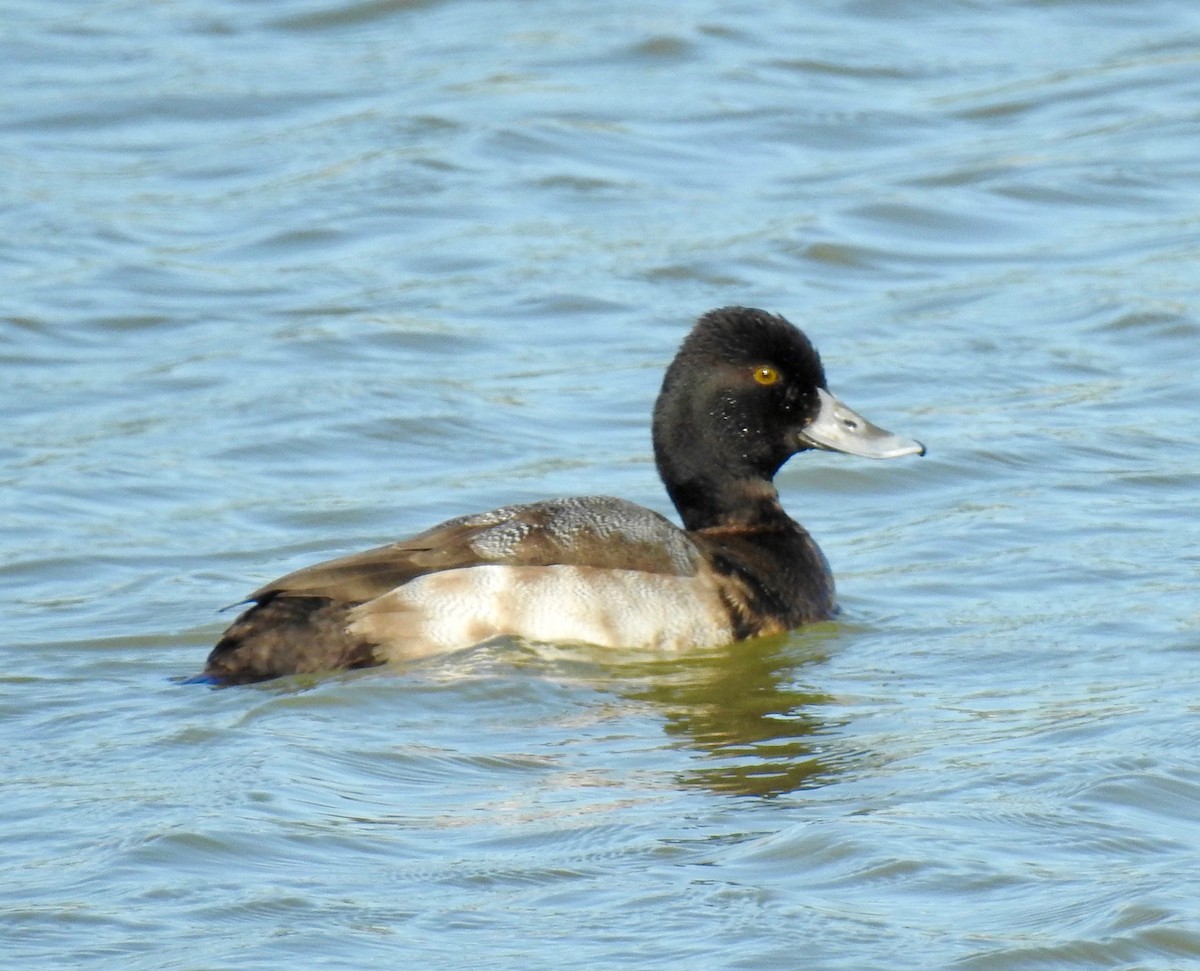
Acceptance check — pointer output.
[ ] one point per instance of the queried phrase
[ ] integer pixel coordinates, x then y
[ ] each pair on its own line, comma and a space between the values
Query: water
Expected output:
286, 280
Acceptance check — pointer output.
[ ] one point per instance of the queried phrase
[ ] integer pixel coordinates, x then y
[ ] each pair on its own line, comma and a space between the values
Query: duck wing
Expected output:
592, 531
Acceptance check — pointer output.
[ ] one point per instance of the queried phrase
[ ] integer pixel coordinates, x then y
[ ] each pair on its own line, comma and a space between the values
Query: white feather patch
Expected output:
455, 609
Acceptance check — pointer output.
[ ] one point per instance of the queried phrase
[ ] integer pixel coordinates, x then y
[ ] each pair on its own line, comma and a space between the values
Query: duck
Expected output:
744, 393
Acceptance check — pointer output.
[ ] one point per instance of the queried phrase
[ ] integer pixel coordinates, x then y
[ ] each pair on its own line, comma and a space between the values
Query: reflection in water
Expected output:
759, 730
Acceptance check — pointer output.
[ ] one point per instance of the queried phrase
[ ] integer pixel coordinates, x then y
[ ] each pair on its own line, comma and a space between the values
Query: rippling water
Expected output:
286, 280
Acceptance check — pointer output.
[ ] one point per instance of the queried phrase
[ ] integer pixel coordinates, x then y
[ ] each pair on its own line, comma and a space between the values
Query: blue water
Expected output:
284, 281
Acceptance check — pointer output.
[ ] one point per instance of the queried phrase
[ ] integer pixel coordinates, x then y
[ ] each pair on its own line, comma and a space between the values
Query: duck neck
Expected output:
738, 504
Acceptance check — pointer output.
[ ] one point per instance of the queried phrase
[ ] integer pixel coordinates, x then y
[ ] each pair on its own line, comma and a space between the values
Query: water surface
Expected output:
283, 281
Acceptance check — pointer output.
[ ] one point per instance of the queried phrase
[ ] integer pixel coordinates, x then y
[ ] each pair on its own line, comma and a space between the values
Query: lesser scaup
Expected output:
745, 392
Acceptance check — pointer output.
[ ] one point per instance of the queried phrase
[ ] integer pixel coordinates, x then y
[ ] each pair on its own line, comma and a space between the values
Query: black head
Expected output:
745, 392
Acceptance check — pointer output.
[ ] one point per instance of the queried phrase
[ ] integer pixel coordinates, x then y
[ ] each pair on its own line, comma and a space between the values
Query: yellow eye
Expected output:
765, 374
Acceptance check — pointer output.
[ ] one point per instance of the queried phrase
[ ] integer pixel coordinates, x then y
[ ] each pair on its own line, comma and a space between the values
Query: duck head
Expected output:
745, 393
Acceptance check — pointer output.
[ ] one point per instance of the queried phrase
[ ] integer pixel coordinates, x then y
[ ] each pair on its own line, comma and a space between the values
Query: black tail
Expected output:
281, 635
